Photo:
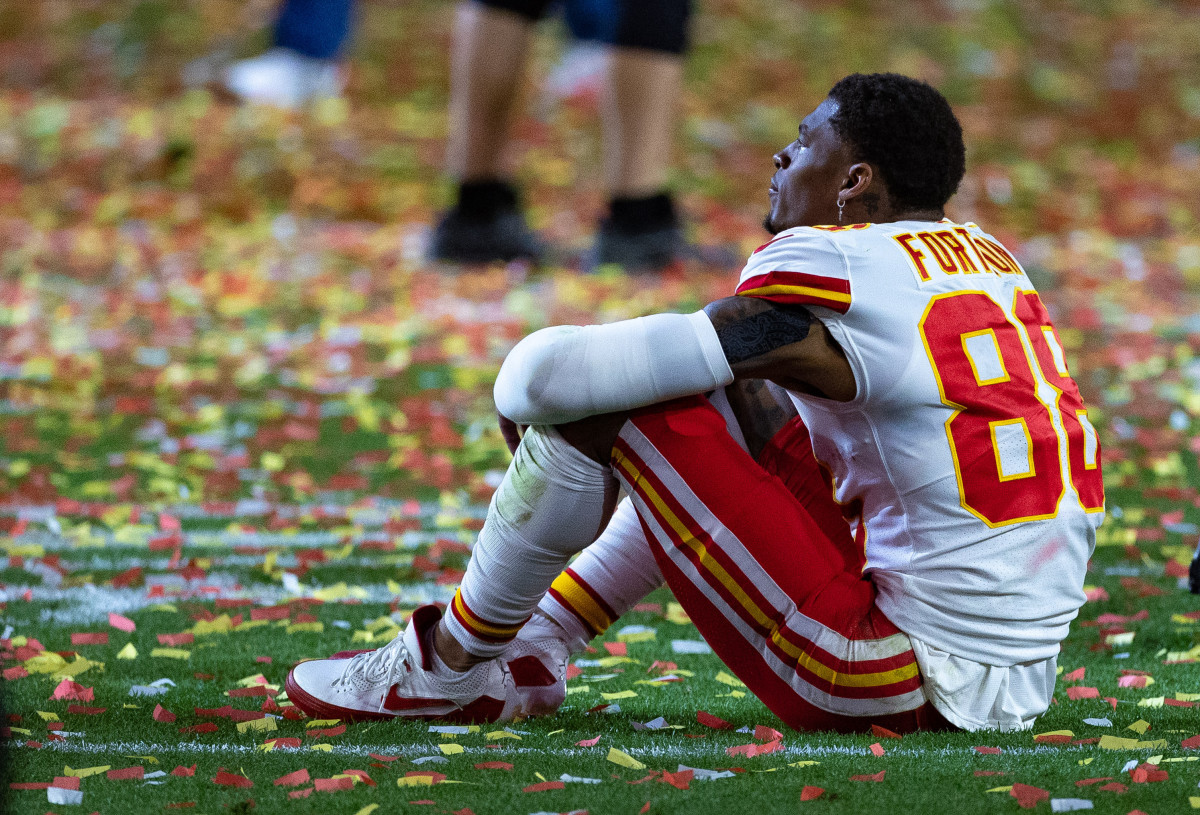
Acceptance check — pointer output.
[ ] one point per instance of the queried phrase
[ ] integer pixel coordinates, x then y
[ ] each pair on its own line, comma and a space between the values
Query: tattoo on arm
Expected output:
758, 331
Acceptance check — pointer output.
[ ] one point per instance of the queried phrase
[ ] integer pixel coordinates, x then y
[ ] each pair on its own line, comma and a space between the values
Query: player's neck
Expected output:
908, 215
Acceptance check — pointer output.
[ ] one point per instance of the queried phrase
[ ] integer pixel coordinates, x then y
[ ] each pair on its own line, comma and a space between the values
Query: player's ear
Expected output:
858, 180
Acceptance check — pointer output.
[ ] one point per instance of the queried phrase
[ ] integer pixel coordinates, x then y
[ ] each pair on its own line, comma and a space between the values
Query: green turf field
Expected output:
244, 424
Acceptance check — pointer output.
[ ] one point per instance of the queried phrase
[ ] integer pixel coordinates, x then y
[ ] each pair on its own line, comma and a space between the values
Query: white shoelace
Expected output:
374, 667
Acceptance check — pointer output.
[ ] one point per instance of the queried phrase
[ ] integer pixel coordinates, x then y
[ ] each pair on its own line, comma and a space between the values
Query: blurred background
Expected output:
225, 307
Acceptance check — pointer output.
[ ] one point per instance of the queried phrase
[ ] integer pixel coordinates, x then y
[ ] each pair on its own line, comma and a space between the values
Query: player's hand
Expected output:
511, 431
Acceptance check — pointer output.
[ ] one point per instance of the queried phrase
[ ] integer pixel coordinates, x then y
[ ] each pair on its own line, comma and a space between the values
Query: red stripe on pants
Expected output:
774, 528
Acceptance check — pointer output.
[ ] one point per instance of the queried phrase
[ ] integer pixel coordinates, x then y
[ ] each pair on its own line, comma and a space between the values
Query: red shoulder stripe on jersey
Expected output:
799, 288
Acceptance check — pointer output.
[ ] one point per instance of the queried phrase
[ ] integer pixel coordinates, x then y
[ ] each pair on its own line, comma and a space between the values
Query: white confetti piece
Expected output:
690, 647
1069, 804
1098, 722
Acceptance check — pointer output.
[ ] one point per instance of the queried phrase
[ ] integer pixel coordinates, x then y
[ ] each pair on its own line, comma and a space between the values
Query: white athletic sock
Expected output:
550, 505
607, 579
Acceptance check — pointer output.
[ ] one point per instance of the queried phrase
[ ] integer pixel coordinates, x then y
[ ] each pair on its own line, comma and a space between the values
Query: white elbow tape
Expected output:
566, 373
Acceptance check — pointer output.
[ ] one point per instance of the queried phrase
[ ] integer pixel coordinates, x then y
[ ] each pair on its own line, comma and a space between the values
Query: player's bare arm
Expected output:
785, 344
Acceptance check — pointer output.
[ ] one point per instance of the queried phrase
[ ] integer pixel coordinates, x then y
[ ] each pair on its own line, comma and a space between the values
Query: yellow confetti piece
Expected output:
804, 763
1118, 743
128, 652
676, 614
450, 749
608, 662
21, 730
367, 810
49, 717
324, 748
1083, 762
1194, 800
44, 663
84, 772
252, 681
171, 653
266, 747
504, 734
1180, 758
1001, 789
1124, 638
731, 681
1188, 697
1139, 727
637, 636
624, 759
1068, 733
733, 694
1152, 701
621, 694
415, 781
265, 725
578, 689
1154, 760
162, 607
540, 777
322, 723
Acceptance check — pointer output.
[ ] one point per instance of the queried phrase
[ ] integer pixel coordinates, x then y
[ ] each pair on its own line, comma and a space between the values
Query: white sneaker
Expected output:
399, 680
284, 78
537, 662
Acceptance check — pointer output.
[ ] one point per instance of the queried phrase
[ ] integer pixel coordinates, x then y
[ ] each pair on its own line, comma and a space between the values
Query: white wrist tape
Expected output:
566, 373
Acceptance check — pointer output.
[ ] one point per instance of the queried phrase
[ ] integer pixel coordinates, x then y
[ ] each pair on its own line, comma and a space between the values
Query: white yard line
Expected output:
692, 751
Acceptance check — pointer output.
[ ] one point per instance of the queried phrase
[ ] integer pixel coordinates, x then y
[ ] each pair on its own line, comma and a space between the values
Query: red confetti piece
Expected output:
1082, 692
15, 672
573, 672
588, 742
304, 793
494, 765
876, 749
184, 772
1147, 774
161, 714
709, 720
293, 779
283, 742
361, 775
1027, 796
89, 638
228, 779
328, 731
29, 785
121, 623
679, 780
617, 649
764, 733
86, 711
66, 782
68, 690
1075, 675
203, 727
127, 774
333, 784
168, 523
988, 751
1087, 782
379, 757
544, 786
1132, 682
1052, 738
645, 808
883, 732
877, 777
811, 793
1191, 744
434, 777
253, 690
175, 640
1115, 786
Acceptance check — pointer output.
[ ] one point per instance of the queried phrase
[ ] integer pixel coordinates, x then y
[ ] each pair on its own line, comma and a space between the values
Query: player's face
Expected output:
808, 174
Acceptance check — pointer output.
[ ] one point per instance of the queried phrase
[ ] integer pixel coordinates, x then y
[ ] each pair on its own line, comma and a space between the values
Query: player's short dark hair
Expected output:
904, 128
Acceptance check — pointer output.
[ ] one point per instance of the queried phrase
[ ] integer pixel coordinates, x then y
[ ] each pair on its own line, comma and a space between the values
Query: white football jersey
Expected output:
967, 443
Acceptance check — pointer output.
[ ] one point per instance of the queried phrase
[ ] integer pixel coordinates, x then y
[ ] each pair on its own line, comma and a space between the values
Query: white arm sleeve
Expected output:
568, 372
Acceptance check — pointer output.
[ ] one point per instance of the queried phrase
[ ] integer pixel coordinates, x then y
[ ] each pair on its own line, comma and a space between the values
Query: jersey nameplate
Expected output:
939, 253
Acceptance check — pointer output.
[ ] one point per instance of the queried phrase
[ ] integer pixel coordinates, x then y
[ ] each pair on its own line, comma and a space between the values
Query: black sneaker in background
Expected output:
485, 226
640, 234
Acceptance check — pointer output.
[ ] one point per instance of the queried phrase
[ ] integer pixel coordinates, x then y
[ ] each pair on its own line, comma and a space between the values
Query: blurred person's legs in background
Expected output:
643, 82
303, 64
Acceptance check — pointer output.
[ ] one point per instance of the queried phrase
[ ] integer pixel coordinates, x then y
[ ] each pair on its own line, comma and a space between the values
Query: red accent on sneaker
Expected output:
394, 702
529, 671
